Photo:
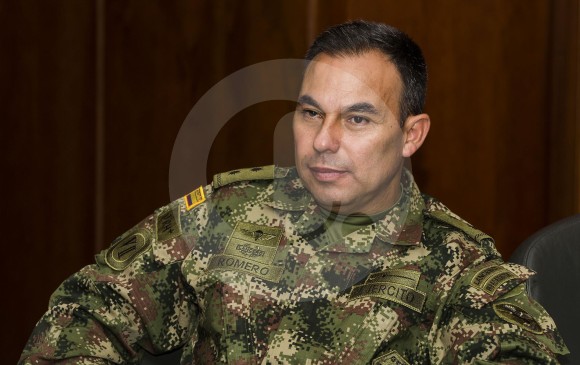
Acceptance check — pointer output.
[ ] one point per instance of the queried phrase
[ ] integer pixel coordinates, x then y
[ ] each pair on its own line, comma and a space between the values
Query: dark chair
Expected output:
554, 254
170, 358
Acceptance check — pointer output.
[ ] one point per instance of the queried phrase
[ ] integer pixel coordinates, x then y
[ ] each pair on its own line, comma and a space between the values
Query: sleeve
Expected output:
134, 298
489, 319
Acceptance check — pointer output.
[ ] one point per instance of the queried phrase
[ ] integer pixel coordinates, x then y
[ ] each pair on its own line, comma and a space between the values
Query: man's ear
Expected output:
415, 131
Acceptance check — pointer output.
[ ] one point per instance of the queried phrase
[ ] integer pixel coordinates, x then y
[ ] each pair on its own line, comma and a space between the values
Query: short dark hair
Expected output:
357, 37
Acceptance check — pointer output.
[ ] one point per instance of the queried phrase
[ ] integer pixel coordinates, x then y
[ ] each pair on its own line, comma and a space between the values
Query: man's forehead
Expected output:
366, 78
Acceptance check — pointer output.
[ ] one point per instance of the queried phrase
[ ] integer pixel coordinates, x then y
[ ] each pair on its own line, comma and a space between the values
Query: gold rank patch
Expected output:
390, 358
194, 198
514, 314
122, 253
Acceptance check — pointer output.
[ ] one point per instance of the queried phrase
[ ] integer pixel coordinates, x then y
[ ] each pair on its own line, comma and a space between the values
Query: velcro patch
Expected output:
251, 249
168, 224
514, 314
122, 253
390, 358
402, 294
491, 276
235, 263
194, 198
254, 241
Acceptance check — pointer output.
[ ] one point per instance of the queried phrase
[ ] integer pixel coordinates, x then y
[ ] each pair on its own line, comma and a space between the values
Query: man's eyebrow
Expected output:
362, 108
307, 99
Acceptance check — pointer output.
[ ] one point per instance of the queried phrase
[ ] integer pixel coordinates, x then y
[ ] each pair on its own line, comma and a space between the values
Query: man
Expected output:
340, 260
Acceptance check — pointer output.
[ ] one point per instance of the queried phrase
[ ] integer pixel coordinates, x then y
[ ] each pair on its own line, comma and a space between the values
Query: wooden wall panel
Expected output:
151, 52
47, 116
564, 121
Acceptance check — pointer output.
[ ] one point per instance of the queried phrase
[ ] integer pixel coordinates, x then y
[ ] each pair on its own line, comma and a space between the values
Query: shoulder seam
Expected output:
246, 174
461, 225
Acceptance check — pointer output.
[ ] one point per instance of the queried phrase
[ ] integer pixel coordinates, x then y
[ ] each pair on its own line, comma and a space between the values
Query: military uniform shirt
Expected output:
243, 272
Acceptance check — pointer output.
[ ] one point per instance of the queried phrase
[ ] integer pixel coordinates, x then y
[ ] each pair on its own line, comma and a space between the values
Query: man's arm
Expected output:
133, 298
489, 319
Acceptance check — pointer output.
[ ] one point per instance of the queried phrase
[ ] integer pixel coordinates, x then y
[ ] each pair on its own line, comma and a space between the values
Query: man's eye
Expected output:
310, 113
359, 120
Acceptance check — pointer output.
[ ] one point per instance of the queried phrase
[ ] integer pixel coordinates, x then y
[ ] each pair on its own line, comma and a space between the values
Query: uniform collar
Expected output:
403, 224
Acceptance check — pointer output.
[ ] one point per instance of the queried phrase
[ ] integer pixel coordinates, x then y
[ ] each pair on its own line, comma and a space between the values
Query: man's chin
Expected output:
330, 202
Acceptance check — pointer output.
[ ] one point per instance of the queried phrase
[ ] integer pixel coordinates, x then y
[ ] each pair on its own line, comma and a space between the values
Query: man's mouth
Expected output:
326, 174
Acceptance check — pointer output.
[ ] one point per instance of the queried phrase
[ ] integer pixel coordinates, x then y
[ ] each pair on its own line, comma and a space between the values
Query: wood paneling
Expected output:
564, 118
47, 91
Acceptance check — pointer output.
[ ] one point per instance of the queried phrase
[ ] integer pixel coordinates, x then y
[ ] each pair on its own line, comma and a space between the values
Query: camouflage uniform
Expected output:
242, 272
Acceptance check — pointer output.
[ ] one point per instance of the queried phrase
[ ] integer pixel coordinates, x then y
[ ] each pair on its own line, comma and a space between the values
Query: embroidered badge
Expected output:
122, 253
390, 358
396, 285
254, 268
514, 314
194, 198
491, 277
251, 249
254, 241
168, 224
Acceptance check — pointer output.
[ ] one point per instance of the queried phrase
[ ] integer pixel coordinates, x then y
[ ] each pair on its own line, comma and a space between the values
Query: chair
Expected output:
554, 254
170, 358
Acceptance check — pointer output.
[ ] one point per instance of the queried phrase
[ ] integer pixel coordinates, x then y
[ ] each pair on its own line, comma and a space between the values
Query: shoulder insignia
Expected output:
194, 198
168, 224
471, 231
254, 173
122, 253
491, 276
515, 315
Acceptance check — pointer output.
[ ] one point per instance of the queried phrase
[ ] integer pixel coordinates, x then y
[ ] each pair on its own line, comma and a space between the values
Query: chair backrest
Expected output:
554, 254
170, 358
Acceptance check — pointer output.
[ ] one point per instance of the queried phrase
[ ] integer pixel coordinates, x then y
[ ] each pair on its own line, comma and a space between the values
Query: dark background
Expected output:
94, 92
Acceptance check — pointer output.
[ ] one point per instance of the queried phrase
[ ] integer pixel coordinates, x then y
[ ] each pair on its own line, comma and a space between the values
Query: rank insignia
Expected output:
194, 198
255, 173
122, 253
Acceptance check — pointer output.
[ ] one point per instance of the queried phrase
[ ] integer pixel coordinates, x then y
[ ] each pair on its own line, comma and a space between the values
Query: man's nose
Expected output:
329, 135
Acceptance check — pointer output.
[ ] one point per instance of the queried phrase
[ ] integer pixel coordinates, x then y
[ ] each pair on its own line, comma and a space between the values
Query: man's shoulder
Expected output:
236, 187
442, 226
238, 176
